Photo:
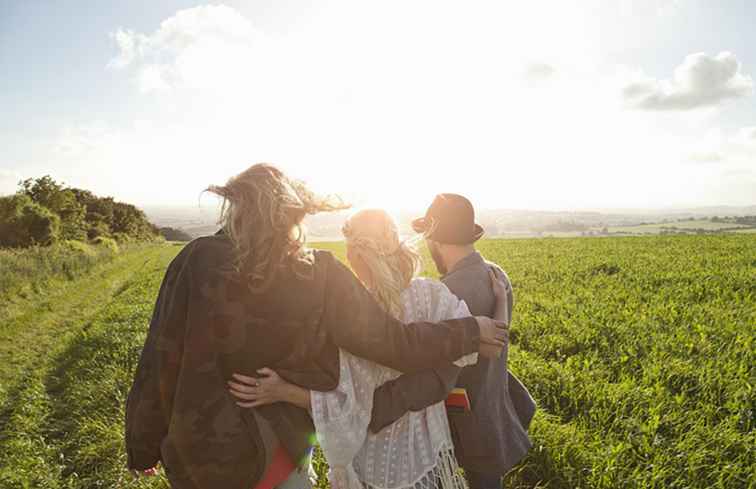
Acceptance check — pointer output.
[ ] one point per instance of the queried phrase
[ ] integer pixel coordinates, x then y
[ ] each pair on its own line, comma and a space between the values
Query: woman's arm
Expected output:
267, 389
358, 324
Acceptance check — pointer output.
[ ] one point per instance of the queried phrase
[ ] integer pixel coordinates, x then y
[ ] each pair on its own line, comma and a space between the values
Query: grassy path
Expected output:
41, 341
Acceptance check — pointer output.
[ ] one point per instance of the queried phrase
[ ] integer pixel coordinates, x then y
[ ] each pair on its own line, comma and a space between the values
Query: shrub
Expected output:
26, 223
34, 267
97, 229
122, 238
108, 243
77, 247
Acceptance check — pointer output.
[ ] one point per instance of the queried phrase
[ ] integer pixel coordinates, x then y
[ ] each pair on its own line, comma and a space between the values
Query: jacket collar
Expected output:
470, 260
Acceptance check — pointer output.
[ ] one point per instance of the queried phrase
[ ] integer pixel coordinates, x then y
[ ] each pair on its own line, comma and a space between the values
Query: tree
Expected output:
23, 222
99, 212
50, 194
78, 214
132, 222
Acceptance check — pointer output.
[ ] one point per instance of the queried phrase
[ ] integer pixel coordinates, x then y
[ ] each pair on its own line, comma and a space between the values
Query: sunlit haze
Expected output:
540, 105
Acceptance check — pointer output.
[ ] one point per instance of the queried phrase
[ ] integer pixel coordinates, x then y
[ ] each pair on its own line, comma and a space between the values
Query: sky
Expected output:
532, 104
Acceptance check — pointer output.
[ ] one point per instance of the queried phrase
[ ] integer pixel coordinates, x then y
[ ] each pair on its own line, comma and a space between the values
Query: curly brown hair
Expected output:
262, 214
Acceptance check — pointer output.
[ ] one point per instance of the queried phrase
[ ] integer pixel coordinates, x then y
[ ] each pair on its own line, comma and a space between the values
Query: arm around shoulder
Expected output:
361, 326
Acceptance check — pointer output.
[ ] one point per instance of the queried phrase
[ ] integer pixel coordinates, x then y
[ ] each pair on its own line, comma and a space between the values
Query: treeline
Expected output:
175, 234
44, 211
745, 220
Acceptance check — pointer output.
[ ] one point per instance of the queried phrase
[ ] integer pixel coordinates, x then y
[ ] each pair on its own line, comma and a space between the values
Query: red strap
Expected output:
281, 467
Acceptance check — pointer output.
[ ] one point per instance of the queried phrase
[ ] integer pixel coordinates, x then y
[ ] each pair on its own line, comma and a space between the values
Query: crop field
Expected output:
639, 351
689, 225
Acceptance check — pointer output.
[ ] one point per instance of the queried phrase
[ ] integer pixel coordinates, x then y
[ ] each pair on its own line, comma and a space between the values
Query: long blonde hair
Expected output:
372, 235
262, 215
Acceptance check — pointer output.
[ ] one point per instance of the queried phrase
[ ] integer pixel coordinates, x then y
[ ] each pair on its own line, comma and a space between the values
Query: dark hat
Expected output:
450, 219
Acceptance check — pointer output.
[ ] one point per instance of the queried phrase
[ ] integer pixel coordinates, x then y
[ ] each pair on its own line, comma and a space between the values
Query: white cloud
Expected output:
203, 47
647, 8
700, 81
381, 101
127, 42
738, 148
706, 156
668, 7
539, 71
747, 135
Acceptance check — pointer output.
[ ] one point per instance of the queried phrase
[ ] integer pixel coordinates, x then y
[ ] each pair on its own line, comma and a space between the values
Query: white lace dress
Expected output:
416, 451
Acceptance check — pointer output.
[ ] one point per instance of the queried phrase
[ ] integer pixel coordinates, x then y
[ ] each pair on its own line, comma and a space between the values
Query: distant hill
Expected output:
173, 234
199, 221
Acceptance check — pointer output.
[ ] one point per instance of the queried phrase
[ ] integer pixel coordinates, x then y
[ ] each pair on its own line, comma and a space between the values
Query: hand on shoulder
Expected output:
499, 283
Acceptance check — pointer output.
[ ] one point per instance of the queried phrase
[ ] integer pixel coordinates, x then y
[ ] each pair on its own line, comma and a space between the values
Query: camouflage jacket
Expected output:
207, 325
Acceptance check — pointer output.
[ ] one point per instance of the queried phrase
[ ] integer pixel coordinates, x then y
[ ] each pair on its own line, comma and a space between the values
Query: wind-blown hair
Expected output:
372, 234
262, 215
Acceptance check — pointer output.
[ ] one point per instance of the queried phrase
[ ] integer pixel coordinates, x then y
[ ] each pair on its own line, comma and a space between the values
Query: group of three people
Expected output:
257, 343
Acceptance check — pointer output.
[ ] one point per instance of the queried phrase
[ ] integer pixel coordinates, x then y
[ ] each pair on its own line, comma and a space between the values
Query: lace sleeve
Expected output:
341, 418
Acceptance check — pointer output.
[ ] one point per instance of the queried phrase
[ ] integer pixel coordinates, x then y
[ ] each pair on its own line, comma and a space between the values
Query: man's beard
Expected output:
437, 259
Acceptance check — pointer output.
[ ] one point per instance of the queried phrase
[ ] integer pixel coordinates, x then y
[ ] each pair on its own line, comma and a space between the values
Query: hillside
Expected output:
639, 351
202, 220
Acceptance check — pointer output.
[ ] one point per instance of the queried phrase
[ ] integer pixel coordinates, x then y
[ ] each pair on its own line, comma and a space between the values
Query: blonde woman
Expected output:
416, 451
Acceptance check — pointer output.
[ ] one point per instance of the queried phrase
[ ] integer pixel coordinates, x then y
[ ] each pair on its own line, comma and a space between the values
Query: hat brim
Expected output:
479, 232
421, 226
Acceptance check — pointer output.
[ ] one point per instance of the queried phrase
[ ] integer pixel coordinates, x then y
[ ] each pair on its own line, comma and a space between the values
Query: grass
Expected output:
66, 358
30, 270
639, 351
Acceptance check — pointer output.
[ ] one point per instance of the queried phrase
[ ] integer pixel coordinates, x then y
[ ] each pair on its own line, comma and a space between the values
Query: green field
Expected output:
690, 225
639, 351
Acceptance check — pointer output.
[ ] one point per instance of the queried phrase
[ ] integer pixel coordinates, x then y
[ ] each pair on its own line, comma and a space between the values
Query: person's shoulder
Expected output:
322, 255
429, 285
207, 251
492, 264
424, 282
329, 267
325, 260
496, 267
464, 275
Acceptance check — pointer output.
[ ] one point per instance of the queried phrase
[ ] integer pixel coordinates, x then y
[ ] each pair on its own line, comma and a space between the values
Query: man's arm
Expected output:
357, 323
411, 392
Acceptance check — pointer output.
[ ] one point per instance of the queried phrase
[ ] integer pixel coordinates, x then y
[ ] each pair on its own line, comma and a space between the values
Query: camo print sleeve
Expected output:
358, 324
151, 395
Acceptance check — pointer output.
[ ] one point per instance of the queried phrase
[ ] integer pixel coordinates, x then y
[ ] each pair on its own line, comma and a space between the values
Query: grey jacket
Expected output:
493, 437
